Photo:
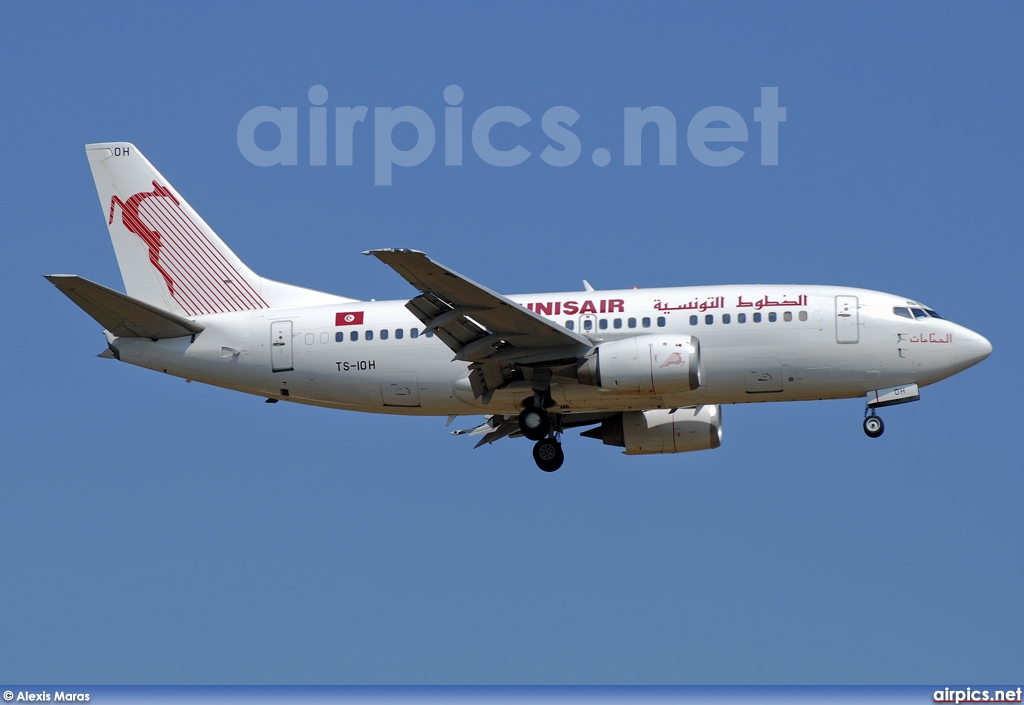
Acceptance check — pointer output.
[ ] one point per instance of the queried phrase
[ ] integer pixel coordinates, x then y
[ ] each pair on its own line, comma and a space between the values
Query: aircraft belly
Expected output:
581, 397
376, 379
778, 378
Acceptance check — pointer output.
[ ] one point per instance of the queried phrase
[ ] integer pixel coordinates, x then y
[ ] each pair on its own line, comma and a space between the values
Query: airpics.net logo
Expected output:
715, 136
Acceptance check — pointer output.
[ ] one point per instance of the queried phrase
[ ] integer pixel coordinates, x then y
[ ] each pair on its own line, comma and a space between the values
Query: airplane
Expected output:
647, 370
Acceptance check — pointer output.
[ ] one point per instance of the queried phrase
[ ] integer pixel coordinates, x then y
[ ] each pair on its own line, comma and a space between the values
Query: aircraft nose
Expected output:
970, 348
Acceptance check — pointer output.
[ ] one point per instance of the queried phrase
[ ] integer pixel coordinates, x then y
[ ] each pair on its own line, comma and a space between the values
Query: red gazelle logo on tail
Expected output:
132, 221
186, 254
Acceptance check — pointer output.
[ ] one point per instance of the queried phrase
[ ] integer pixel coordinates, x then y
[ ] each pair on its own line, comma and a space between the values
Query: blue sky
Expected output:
153, 531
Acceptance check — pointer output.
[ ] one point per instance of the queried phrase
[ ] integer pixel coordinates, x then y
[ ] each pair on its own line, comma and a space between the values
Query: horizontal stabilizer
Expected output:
121, 314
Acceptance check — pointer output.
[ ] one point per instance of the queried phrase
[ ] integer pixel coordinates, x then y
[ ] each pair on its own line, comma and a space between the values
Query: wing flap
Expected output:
464, 313
121, 314
450, 323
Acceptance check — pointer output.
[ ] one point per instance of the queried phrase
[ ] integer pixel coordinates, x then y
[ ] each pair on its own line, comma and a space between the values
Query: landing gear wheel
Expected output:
548, 454
534, 423
873, 426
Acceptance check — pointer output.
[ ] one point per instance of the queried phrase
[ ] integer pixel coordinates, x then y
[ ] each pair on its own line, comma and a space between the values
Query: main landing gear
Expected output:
548, 455
535, 424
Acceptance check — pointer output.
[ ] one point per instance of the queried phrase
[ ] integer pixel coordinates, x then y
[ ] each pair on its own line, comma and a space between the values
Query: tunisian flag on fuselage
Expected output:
352, 318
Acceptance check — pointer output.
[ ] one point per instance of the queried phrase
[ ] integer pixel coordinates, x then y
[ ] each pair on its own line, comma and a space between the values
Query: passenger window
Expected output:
709, 319
570, 325
902, 311
414, 332
354, 335
325, 337
339, 337
802, 315
661, 321
741, 318
430, 334
603, 324
309, 338
588, 324
693, 320
631, 322
645, 322
772, 317
787, 316
726, 318
757, 317
617, 323
384, 334
369, 335
399, 333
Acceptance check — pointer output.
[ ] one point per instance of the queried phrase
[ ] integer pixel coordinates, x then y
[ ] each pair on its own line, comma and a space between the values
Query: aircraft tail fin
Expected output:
169, 257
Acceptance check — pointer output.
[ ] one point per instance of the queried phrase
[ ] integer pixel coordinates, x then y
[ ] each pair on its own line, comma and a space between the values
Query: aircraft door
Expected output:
281, 346
847, 328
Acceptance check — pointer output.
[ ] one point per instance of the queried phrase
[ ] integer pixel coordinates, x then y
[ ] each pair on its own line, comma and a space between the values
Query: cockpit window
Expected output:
915, 313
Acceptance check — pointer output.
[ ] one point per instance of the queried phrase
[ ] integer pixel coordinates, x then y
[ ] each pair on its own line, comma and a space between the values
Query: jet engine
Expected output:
662, 431
644, 364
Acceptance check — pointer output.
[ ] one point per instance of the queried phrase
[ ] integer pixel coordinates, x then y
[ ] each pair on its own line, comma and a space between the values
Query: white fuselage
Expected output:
758, 343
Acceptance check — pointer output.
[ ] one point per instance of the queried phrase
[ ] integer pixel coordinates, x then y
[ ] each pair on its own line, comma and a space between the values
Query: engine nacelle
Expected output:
662, 431
645, 364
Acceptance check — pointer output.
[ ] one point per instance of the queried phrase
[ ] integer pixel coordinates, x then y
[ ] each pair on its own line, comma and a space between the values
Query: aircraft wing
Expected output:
121, 314
481, 326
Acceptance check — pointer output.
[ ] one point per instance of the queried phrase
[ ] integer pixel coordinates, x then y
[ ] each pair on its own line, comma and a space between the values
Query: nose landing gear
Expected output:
873, 425
889, 396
